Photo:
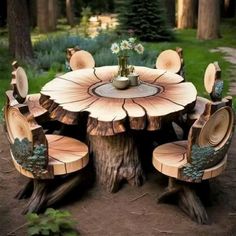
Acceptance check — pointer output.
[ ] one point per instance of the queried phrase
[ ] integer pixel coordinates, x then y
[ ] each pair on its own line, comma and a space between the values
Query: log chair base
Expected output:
187, 200
47, 192
116, 159
26, 191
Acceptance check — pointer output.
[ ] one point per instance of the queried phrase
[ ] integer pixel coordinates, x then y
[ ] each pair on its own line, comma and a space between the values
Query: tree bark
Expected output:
20, 45
170, 10
69, 12
46, 15
42, 16
118, 161
208, 19
52, 13
187, 14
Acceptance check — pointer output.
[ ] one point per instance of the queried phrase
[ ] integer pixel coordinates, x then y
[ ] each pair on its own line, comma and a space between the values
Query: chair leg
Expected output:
38, 197
187, 200
26, 191
47, 192
63, 189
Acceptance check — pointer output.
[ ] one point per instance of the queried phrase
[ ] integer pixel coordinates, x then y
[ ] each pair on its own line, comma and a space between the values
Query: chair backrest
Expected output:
29, 147
209, 138
213, 82
81, 59
19, 83
169, 60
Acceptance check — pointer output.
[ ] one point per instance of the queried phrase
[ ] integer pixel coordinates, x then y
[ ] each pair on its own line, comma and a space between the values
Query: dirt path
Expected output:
230, 56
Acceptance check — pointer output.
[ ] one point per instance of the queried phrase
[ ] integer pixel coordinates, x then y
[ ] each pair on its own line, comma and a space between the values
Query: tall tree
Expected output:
46, 15
20, 44
52, 12
170, 11
208, 19
145, 18
187, 14
70, 12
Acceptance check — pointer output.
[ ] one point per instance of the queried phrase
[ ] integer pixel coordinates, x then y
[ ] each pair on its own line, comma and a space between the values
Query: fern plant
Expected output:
52, 222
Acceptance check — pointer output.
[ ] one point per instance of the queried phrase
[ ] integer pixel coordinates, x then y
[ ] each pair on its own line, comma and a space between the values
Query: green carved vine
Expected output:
201, 159
30, 158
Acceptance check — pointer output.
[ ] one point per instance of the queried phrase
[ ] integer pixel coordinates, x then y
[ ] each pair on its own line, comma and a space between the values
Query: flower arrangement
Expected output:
125, 46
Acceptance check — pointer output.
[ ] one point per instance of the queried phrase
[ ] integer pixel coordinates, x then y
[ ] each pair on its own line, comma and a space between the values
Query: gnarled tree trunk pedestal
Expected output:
187, 200
116, 159
48, 191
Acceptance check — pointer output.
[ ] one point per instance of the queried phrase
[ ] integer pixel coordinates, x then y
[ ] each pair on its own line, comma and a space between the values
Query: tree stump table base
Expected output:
116, 159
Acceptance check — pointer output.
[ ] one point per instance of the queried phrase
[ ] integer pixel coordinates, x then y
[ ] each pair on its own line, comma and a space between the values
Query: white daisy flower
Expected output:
115, 48
124, 45
139, 48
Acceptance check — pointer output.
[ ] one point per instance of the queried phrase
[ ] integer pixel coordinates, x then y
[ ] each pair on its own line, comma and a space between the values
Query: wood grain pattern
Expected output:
81, 59
169, 60
67, 96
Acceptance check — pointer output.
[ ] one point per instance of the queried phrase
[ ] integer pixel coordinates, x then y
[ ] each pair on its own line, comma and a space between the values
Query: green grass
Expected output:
197, 56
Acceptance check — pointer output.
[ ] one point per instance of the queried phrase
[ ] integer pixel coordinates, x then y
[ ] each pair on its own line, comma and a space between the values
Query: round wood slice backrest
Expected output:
21, 83
81, 59
209, 77
217, 130
17, 126
169, 60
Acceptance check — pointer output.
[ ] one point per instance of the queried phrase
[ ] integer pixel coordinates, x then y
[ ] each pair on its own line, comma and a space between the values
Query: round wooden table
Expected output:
160, 95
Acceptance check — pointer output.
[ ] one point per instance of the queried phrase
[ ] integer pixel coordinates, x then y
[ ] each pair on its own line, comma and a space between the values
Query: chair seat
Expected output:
198, 109
66, 155
169, 158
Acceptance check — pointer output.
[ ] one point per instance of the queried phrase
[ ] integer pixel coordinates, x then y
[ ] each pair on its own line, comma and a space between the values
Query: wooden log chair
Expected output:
19, 94
214, 87
69, 53
53, 163
172, 61
80, 59
192, 162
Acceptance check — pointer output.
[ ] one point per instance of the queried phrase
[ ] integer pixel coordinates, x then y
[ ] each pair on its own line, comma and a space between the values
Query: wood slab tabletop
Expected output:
159, 94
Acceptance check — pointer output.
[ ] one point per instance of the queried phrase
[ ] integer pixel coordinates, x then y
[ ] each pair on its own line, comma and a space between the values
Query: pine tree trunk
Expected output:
52, 15
20, 44
42, 16
187, 14
208, 19
69, 12
170, 10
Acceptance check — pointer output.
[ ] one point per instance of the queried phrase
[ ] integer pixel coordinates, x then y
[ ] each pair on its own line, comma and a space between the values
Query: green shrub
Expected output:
51, 51
52, 223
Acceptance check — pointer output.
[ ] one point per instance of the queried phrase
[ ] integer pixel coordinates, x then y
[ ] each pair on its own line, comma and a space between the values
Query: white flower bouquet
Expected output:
125, 46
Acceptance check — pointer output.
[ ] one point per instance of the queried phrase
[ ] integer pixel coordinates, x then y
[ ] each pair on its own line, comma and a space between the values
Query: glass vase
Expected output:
123, 69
